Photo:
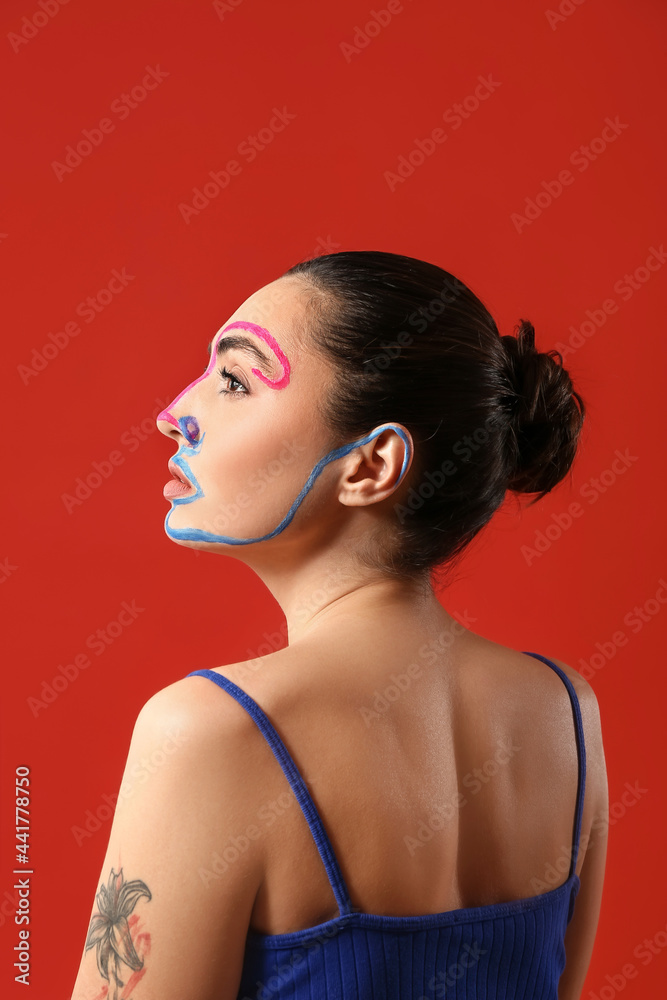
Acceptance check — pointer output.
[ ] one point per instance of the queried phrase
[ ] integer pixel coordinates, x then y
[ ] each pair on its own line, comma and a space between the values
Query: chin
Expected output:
173, 531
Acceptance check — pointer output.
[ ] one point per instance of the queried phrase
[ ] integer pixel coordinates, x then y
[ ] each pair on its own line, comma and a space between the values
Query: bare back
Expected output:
444, 770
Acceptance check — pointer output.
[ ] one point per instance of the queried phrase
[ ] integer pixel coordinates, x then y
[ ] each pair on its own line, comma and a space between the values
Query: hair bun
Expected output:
547, 415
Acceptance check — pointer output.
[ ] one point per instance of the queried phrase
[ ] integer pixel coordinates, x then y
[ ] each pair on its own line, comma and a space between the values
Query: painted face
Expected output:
251, 442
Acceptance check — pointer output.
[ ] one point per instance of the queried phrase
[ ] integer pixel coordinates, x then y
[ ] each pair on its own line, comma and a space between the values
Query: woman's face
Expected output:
248, 441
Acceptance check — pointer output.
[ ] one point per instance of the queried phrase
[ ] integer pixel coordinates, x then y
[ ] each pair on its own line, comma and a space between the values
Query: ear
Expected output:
374, 470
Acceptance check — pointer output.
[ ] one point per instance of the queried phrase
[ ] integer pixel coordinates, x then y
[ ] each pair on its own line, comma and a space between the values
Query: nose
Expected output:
171, 424
167, 424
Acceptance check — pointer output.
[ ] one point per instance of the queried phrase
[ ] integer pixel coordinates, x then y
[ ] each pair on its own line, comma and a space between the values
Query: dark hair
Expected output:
412, 344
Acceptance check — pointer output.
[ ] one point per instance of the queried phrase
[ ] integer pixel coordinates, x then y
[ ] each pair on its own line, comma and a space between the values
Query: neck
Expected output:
324, 593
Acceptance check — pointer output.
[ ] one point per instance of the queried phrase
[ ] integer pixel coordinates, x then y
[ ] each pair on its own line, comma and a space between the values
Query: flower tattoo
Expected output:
109, 929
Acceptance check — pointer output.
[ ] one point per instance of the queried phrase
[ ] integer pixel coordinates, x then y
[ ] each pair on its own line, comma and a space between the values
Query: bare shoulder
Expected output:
596, 769
198, 707
190, 794
588, 702
269, 680
209, 726
591, 864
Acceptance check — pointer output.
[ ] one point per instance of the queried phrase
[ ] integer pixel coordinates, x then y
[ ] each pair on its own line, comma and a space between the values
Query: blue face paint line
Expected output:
197, 535
180, 460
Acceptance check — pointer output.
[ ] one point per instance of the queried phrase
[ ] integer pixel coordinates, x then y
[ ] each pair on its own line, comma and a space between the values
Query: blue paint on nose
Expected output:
190, 429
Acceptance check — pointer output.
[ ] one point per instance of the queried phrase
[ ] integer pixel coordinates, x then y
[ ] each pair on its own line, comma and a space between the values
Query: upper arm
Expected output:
172, 912
580, 934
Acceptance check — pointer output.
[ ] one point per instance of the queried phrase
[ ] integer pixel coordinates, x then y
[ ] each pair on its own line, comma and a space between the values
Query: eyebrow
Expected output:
236, 341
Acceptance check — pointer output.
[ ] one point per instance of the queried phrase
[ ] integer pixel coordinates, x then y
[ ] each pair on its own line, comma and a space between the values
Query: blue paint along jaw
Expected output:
197, 535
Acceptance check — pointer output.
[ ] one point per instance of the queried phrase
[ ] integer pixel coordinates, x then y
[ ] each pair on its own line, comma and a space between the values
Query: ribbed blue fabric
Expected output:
504, 951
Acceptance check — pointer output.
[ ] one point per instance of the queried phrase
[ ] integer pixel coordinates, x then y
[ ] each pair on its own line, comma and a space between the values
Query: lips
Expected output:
178, 473
178, 486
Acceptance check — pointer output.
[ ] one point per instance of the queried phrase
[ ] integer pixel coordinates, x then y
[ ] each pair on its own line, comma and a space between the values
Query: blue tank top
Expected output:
495, 952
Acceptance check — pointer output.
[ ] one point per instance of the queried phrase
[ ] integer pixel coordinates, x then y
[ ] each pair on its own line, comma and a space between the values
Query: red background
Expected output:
318, 186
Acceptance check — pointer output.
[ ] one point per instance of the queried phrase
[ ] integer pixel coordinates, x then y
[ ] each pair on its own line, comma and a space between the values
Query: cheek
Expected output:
234, 459
266, 450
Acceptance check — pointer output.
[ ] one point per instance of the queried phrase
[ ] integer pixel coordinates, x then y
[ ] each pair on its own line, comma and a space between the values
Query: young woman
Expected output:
391, 806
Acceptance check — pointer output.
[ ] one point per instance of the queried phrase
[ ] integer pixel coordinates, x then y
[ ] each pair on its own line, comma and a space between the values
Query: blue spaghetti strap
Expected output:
581, 750
296, 782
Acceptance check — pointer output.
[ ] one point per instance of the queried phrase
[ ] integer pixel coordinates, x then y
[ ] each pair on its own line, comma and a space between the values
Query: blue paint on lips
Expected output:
197, 535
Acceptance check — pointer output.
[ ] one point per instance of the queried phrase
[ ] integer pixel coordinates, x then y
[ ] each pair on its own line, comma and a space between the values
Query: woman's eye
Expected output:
236, 383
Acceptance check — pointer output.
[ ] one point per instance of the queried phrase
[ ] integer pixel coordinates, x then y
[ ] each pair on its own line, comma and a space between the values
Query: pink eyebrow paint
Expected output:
259, 331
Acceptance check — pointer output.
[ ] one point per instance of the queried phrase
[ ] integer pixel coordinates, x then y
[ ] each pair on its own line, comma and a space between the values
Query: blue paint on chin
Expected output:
198, 535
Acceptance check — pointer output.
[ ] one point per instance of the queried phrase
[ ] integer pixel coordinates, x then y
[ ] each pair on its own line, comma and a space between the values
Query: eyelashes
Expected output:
227, 376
